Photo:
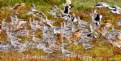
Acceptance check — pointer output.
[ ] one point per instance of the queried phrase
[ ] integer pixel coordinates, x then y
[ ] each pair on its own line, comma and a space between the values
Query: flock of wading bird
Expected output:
73, 30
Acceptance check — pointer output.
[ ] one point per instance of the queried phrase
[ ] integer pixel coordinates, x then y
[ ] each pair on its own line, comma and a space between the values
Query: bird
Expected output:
67, 18
48, 50
18, 7
66, 10
57, 30
96, 18
52, 13
116, 43
68, 30
4, 24
118, 36
102, 29
48, 23
16, 44
101, 4
44, 48
86, 46
34, 24
59, 38
38, 27
15, 7
115, 9
20, 24
65, 52
119, 23
92, 27
32, 10
81, 23
4, 46
74, 18
16, 22
25, 46
54, 8
108, 24
112, 7
40, 45
36, 40
55, 14
35, 12
76, 35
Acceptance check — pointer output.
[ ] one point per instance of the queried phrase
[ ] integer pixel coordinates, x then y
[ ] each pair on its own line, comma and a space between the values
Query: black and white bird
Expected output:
115, 9
70, 18
66, 10
74, 18
112, 7
101, 4
96, 18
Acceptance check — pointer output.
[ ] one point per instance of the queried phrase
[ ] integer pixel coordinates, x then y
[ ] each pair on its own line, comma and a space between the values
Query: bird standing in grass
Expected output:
18, 7
117, 43
42, 46
36, 40
115, 9
86, 46
65, 52
4, 46
96, 18
119, 23
101, 4
48, 50
67, 7
32, 10
76, 35
66, 10
4, 25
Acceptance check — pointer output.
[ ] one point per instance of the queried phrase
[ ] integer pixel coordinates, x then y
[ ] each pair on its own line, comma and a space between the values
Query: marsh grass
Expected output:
102, 49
